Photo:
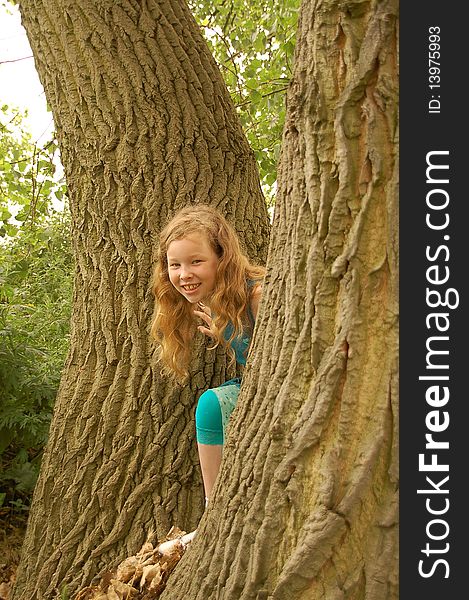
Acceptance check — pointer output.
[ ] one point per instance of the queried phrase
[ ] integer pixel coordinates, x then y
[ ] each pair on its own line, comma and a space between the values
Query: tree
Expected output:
305, 505
306, 501
145, 125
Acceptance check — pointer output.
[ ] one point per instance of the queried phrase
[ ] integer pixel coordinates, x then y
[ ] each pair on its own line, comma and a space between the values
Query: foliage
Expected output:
35, 291
253, 43
28, 183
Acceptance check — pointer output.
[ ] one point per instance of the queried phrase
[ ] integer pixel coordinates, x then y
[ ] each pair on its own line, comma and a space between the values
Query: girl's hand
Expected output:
205, 314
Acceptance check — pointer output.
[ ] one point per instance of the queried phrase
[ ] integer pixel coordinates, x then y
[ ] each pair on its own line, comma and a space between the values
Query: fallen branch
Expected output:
143, 576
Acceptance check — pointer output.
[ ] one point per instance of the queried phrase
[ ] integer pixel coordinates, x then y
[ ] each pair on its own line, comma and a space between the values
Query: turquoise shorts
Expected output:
213, 411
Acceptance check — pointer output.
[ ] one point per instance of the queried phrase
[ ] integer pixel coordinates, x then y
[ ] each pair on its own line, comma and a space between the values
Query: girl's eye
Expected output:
174, 265
197, 261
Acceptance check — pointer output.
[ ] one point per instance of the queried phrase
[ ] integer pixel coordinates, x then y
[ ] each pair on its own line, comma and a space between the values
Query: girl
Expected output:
201, 273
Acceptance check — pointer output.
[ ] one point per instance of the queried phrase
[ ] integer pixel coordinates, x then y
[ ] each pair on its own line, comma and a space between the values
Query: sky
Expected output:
19, 82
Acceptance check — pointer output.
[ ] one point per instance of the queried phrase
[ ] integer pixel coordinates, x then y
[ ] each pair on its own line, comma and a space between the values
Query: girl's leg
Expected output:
210, 460
210, 436
209, 431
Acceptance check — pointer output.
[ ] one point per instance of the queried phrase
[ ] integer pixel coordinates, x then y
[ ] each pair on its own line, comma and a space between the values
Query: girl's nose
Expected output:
185, 273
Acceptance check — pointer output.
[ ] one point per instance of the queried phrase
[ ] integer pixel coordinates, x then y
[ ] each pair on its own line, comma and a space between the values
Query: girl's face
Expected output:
192, 267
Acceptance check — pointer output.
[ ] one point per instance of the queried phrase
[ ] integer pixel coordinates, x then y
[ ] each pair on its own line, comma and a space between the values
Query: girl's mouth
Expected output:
190, 287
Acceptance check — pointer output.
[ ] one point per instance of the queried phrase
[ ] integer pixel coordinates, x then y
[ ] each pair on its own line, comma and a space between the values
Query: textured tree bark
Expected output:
145, 125
305, 505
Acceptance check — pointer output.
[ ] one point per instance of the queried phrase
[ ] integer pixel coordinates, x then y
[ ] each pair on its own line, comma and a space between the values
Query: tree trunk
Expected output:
145, 125
305, 505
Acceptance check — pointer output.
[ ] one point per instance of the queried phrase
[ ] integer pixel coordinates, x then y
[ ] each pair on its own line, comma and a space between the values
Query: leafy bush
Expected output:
35, 292
35, 296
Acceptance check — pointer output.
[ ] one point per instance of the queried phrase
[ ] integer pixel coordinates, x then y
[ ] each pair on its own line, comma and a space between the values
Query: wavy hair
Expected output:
174, 323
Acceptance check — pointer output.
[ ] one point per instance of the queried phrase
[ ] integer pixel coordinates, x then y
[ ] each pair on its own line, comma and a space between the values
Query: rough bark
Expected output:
305, 505
145, 125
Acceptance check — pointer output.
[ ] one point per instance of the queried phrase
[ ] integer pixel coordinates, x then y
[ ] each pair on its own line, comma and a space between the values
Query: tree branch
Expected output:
4, 62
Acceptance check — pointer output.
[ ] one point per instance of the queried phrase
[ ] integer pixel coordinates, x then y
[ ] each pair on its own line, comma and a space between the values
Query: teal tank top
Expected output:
241, 343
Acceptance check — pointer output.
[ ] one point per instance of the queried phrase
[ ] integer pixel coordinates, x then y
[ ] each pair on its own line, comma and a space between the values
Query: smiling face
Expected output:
192, 267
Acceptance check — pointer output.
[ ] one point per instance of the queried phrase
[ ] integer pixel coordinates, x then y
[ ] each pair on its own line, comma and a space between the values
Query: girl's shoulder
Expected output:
255, 289
254, 284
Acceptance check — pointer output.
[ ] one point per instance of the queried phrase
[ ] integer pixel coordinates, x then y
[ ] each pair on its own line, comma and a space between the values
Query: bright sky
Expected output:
19, 82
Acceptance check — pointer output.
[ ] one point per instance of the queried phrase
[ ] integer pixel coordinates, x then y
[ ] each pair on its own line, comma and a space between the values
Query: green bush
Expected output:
35, 298
35, 295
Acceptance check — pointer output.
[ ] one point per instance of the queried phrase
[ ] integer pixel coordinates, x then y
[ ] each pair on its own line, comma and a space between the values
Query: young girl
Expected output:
204, 282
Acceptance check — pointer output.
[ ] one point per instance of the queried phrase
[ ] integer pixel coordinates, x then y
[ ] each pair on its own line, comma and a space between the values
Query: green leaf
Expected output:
255, 96
10, 229
263, 34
